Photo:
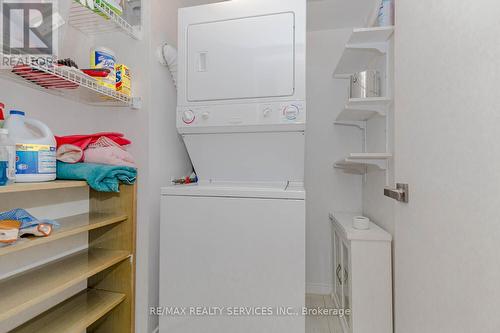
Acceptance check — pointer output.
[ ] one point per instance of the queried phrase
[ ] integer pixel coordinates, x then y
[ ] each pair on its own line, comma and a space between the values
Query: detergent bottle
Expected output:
35, 148
7, 158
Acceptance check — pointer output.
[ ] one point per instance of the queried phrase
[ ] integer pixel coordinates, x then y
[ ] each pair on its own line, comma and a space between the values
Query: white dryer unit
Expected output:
242, 70
242, 64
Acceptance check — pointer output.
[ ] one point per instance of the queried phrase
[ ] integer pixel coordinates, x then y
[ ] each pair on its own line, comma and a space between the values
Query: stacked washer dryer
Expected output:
234, 244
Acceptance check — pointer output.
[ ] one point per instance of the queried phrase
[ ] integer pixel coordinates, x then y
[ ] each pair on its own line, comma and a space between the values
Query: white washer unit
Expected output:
237, 238
232, 246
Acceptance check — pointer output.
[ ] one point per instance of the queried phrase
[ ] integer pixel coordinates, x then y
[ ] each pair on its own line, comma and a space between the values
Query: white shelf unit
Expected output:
363, 47
92, 23
362, 275
363, 109
80, 87
364, 50
357, 163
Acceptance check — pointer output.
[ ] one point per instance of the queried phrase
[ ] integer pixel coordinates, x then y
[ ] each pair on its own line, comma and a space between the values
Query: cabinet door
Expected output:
338, 267
346, 279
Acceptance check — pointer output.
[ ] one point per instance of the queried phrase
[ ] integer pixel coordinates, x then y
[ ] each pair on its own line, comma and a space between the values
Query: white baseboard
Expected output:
319, 289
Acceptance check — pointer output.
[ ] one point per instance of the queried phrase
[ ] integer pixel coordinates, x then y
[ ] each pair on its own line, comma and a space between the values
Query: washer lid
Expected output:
268, 190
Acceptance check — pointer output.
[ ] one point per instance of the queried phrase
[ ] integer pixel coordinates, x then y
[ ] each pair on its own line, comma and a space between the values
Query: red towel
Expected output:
83, 141
70, 148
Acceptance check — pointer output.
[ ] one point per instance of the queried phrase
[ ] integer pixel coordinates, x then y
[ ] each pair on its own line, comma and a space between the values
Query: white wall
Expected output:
167, 154
157, 148
327, 189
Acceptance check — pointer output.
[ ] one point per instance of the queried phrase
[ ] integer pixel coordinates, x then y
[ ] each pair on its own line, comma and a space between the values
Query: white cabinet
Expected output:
362, 273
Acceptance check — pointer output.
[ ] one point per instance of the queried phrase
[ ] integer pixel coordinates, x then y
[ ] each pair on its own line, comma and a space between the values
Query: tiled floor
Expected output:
320, 324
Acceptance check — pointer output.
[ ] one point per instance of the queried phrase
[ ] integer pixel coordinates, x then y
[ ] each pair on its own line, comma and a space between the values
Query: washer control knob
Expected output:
188, 117
291, 112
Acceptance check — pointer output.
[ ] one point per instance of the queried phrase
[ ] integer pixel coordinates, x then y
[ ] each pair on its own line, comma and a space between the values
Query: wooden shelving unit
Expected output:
107, 266
70, 226
55, 185
79, 312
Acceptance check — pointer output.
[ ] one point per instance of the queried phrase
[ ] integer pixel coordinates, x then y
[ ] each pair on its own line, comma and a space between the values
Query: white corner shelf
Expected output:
358, 163
375, 35
369, 103
92, 23
364, 46
355, 114
363, 109
71, 83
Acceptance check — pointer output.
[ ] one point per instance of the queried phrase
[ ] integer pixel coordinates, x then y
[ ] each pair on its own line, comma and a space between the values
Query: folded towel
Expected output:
102, 178
110, 156
70, 148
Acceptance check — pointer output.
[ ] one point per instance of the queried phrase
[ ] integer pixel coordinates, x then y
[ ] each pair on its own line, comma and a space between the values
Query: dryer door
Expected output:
243, 58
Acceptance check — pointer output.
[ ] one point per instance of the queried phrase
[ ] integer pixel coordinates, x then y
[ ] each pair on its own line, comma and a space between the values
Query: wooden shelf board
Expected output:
54, 185
75, 314
37, 285
70, 226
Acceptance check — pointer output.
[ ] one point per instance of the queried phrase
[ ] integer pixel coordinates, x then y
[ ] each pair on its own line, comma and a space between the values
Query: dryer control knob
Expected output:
291, 112
267, 112
205, 115
188, 117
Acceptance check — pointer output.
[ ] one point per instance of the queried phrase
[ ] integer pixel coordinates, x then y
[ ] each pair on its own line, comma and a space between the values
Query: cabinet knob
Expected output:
339, 269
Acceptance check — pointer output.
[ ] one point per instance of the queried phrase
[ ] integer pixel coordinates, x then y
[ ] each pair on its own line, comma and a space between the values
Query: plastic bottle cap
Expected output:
21, 113
4, 131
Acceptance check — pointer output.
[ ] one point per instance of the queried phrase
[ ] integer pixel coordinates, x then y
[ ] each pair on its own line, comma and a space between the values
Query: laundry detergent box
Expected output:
100, 58
123, 79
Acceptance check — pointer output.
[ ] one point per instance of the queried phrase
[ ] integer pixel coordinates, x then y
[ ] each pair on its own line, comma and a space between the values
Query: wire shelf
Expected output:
91, 23
71, 83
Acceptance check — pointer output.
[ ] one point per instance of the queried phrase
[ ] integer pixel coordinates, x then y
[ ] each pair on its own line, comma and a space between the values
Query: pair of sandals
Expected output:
10, 231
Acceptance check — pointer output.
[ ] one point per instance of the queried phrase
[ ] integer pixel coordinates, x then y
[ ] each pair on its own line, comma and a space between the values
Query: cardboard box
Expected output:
123, 79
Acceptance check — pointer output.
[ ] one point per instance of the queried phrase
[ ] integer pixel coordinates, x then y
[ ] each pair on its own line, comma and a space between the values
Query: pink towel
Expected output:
109, 155
70, 148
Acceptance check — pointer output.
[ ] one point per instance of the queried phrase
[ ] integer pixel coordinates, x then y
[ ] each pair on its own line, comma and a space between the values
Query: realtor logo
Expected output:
27, 27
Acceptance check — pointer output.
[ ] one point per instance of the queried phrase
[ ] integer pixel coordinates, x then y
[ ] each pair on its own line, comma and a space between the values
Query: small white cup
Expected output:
361, 223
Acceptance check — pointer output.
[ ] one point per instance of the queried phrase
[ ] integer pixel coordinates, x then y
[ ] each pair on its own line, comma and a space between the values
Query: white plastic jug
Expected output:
35, 148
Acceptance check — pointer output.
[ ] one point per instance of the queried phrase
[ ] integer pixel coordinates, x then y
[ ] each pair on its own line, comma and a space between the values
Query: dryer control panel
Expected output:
247, 117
